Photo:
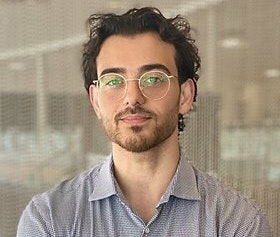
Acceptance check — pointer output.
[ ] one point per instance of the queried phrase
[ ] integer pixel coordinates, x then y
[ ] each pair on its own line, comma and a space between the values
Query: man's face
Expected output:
134, 122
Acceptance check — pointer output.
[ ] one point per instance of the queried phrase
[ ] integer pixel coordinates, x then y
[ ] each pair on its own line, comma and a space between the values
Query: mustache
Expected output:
136, 110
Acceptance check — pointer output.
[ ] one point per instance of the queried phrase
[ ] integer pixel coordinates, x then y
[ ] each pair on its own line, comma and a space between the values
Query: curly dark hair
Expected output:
148, 19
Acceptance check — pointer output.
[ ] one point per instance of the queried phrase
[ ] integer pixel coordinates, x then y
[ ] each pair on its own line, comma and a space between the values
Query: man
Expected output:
140, 71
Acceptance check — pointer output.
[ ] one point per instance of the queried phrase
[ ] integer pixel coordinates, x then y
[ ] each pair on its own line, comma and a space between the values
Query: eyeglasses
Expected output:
154, 85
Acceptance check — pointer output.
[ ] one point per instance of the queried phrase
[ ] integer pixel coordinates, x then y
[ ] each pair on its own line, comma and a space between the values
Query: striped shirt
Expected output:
91, 204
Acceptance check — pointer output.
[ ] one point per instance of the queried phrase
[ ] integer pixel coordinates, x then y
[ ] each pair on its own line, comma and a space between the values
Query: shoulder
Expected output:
234, 212
74, 191
218, 192
55, 210
85, 181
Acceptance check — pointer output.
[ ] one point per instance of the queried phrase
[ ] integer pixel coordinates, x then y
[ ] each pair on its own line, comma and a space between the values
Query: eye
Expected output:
114, 82
152, 79
111, 81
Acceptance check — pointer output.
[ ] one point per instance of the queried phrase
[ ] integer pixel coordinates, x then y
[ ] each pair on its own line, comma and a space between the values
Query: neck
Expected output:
144, 177
159, 161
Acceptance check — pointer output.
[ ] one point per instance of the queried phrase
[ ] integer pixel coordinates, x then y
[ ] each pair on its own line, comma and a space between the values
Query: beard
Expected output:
135, 140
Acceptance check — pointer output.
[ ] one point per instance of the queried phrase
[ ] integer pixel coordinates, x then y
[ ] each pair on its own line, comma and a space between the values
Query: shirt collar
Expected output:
104, 186
183, 184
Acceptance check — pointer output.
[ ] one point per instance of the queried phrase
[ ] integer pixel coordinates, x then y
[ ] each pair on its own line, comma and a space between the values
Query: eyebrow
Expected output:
155, 66
142, 69
113, 70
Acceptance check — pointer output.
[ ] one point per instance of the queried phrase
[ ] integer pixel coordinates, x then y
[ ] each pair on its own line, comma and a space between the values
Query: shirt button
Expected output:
147, 230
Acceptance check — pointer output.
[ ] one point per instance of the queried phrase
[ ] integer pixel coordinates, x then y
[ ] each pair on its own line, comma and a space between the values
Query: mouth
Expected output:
135, 119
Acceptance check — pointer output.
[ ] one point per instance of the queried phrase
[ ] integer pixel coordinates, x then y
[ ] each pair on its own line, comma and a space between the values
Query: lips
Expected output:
134, 116
135, 119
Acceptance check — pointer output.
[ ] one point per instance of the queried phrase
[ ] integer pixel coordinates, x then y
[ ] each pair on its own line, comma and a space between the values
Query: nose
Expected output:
133, 95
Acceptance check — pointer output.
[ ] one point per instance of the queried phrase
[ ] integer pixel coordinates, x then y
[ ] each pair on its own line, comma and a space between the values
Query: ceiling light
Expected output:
231, 43
272, 73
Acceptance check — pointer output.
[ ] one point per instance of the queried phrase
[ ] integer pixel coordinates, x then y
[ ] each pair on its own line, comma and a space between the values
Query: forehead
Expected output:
132, 52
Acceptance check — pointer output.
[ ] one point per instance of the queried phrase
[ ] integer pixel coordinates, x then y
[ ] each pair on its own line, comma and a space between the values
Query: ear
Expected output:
186, 96
93, 96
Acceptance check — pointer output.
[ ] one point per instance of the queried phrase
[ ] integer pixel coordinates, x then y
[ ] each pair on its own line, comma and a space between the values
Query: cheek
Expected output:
173, 96
168, 110
107, 110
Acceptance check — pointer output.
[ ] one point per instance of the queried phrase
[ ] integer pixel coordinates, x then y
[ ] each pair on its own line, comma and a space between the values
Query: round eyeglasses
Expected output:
154, 85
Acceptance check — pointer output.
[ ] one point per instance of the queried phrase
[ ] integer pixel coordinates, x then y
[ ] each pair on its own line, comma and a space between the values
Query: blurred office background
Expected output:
48, 131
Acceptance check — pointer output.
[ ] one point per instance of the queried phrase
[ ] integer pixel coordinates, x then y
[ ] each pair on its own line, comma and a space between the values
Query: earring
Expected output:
181, 123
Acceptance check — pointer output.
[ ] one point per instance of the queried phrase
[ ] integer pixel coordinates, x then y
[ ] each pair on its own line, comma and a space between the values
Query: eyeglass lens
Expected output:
153, 85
